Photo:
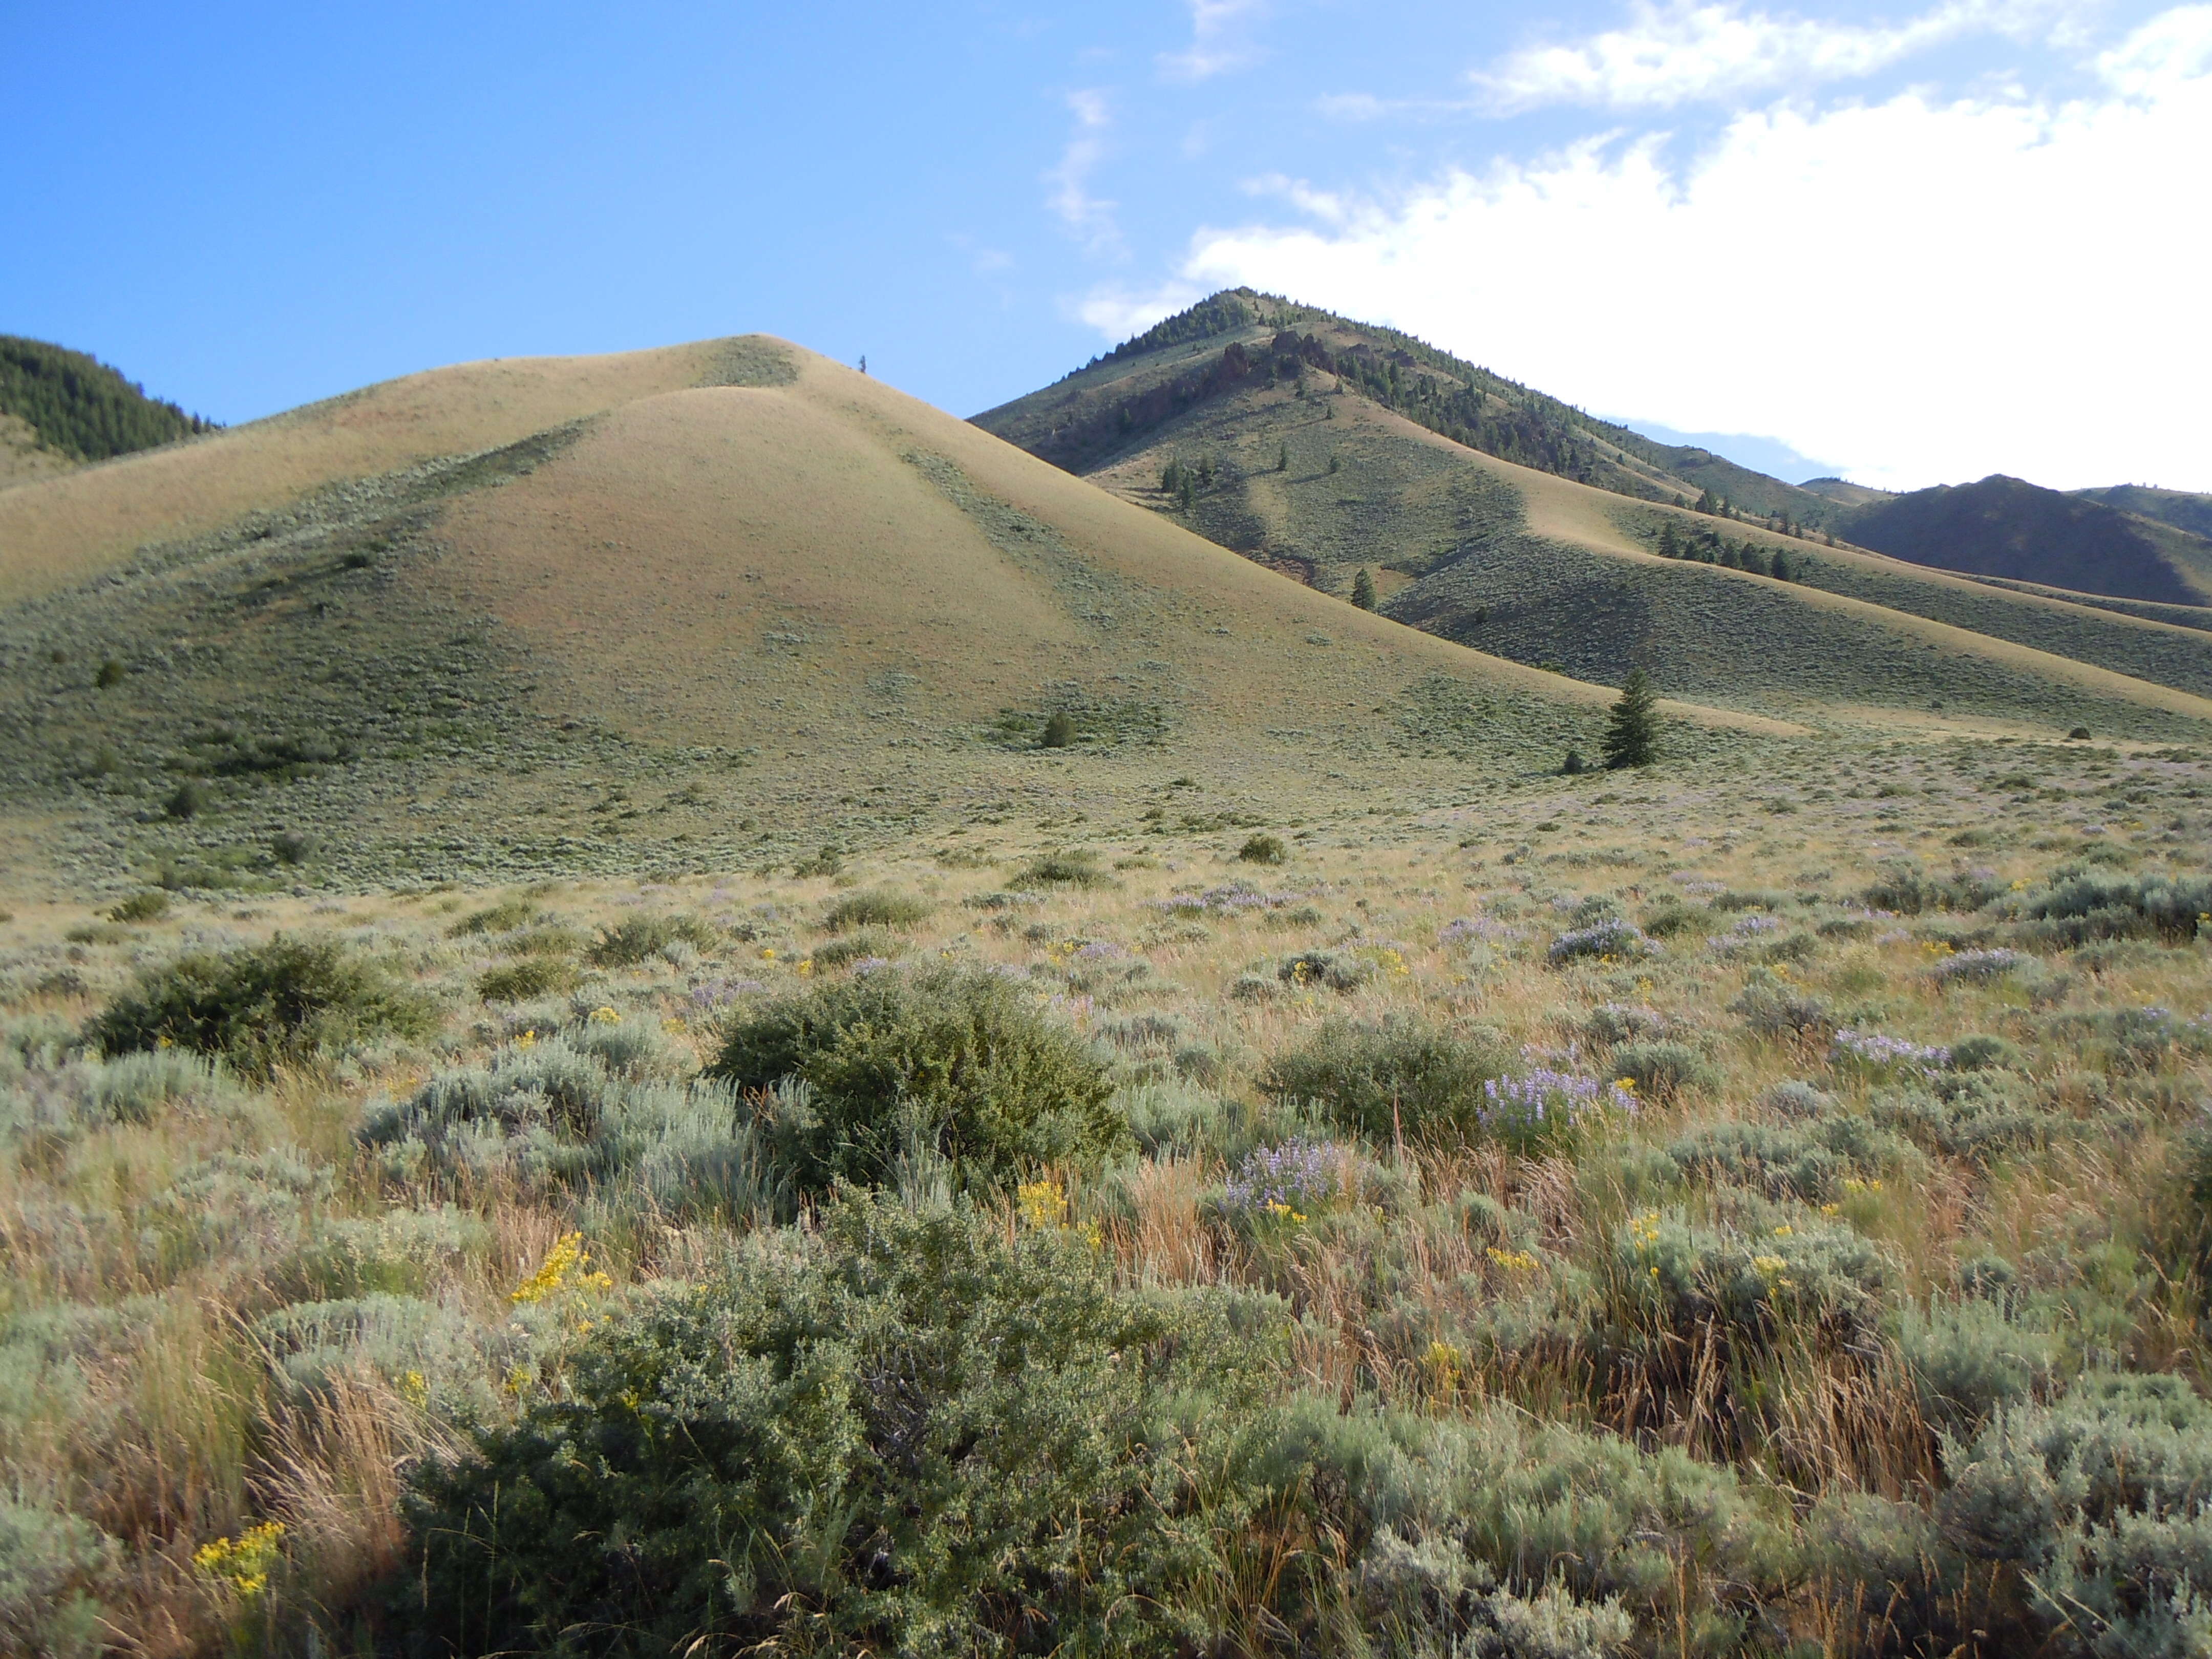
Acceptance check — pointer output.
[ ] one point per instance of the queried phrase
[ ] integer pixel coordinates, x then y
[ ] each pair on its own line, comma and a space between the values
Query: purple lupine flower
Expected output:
1527, 1102
1623, 940
1299, 1174
1878, 1048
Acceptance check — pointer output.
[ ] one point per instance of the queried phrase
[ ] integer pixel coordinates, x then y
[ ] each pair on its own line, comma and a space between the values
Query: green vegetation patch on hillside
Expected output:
81, 407
1712, 636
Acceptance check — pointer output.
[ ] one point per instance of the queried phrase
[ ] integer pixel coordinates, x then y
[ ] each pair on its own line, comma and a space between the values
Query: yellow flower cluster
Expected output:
604, 1017
1443, 1362
1514, 1261
1285, 1213
1042, 1203
567, 1267
244, 1562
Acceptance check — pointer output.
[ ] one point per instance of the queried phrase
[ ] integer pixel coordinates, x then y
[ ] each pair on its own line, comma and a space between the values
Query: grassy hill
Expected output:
1225, 420
1240, 340
2177, 507
723, 602
59, 407
2008, 527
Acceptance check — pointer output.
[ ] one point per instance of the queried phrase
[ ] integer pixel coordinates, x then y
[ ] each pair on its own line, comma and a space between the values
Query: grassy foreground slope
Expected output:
1247, 438
712, 624
1871, 1322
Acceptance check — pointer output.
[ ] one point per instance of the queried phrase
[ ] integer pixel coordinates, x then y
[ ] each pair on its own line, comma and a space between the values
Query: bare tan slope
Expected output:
779, 546
696, 625
57, 529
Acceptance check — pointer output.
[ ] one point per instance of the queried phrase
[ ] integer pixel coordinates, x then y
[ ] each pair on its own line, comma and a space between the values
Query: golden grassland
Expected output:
150, 1262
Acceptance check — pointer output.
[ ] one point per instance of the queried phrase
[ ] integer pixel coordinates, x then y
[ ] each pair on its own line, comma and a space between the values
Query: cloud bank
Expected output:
1929, 290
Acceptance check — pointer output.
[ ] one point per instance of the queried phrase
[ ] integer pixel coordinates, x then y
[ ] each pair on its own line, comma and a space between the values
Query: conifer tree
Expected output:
1668, 547
1283, 458
1362, 590
1632, 733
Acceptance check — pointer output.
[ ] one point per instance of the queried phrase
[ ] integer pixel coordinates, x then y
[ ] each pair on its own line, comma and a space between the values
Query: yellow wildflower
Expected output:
603, 1016
1042, 1203
567, 1267
244, 1562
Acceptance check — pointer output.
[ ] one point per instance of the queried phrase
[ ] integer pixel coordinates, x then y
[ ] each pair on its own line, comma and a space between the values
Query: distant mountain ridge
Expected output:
2128, 543
2005, 526
1490, 514
76, 409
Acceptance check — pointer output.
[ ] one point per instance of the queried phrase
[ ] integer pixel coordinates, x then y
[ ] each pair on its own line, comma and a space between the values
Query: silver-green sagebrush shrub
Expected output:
958, 1060
53, 1566
558, 1112
2099, 1503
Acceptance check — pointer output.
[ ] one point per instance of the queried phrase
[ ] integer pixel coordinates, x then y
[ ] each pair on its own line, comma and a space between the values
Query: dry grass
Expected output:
184, 1430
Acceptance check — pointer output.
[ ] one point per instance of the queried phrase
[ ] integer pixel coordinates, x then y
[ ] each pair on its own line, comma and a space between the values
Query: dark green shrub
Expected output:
958, 1060
880, 907
1063, 870
551, 939
1672, 916
1772, 1007
532, 976
1750, 898
1263, 849
187, 800
916, 1435
148, 906
629, 943
1338, 970
1402, 1076
829, 861
1984, 1053
503, 917
1910, 890
859, 947
1660, 1070
1059, 730
265, 1005
293, 846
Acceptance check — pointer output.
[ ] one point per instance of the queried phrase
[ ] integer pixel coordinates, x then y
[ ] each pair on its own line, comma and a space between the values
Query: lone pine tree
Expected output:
1362, 589
1631, 734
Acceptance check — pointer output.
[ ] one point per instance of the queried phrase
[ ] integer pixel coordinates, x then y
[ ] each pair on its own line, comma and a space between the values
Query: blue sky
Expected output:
1922, 243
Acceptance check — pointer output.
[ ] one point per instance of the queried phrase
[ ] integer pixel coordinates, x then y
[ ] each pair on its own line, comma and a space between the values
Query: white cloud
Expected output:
1090, 218
1219, 41
1926, 290
1684, 52
1119, 315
